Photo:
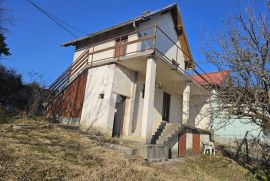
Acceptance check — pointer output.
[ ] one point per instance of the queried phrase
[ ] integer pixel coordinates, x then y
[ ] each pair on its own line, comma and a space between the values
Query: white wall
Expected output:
110, 80
175, 108
124, 85
163, 44
123, 80
138, 106
104, 54
132, 48
200, 112
97, 111
157, 113
189, 142
97, 56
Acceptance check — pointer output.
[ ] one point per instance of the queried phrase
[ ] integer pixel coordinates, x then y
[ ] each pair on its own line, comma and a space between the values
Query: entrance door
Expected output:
196, 148
166, 106
120, 50
119, 116
182, 144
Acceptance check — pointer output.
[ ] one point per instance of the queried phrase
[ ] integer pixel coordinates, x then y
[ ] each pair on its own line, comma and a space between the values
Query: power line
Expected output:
73, 27
65, 23
206, 74
52, 18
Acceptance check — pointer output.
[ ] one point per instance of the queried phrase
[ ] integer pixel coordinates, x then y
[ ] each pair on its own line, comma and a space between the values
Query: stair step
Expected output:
165, 132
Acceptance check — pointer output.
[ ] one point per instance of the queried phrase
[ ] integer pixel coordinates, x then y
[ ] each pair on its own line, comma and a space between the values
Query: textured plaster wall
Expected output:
200, 112
163, 44
96, 111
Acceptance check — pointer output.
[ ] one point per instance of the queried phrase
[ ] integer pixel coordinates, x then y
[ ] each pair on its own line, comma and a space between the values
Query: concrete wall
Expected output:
124, 84
110, 80
200, 112
158, 103
138, 107
123, 80
97, 111
175, 107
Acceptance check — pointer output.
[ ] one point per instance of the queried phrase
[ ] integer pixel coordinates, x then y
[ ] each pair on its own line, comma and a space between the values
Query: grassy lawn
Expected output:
52, 153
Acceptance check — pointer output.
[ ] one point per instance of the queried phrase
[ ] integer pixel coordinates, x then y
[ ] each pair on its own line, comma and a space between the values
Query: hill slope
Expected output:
52, 153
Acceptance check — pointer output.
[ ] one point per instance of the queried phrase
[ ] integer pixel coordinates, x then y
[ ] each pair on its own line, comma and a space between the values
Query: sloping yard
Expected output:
45, 152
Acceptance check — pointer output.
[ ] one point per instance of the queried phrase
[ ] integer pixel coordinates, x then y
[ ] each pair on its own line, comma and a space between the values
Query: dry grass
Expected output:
51, 153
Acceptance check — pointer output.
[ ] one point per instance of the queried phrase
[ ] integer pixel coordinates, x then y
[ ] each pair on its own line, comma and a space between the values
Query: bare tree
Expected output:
37, 95
242, 47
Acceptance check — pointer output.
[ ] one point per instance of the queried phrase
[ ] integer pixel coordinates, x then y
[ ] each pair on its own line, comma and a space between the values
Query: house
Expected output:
227, 130
129, 81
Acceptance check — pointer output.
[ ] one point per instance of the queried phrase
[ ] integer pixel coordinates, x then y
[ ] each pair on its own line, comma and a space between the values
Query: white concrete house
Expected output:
129, 81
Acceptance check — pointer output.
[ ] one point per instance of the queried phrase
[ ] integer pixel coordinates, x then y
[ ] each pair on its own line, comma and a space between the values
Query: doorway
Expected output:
120, 50
119, 116
166, 107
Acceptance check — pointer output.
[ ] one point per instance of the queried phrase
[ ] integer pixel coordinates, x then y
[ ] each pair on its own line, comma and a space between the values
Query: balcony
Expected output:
142, 42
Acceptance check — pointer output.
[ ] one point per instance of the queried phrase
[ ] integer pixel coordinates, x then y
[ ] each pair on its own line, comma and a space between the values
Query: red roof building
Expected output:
211, 78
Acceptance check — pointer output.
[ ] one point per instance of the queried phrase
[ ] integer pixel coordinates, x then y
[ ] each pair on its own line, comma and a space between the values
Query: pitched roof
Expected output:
211, 78
130, 21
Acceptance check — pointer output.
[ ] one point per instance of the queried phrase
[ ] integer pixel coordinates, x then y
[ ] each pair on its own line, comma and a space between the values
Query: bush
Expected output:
18, 97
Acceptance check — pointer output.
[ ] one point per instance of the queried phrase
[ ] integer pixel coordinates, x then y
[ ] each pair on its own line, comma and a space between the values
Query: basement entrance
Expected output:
119, 116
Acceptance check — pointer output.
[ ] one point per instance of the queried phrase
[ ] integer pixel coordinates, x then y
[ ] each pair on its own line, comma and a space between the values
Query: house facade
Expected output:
130, 81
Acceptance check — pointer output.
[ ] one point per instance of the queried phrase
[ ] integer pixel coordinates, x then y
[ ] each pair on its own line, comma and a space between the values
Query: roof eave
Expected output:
137, 19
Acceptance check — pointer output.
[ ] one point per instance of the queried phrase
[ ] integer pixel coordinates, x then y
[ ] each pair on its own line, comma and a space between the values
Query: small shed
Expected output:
189, 142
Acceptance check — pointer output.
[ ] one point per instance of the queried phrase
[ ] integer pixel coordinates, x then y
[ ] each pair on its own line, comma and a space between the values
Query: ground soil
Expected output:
46, 152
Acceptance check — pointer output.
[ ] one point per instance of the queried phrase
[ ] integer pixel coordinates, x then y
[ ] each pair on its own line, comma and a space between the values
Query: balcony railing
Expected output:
142, 40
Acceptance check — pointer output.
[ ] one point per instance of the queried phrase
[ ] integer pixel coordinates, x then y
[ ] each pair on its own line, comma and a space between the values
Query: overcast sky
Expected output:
35, 40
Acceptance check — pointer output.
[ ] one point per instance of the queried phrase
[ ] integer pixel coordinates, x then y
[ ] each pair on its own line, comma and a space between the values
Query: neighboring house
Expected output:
129, 81
226, 131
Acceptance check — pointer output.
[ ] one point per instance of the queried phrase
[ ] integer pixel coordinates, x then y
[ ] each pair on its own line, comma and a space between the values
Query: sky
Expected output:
35, 40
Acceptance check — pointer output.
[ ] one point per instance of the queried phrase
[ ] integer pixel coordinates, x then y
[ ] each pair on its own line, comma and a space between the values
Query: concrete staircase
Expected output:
158, 132
167, 133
